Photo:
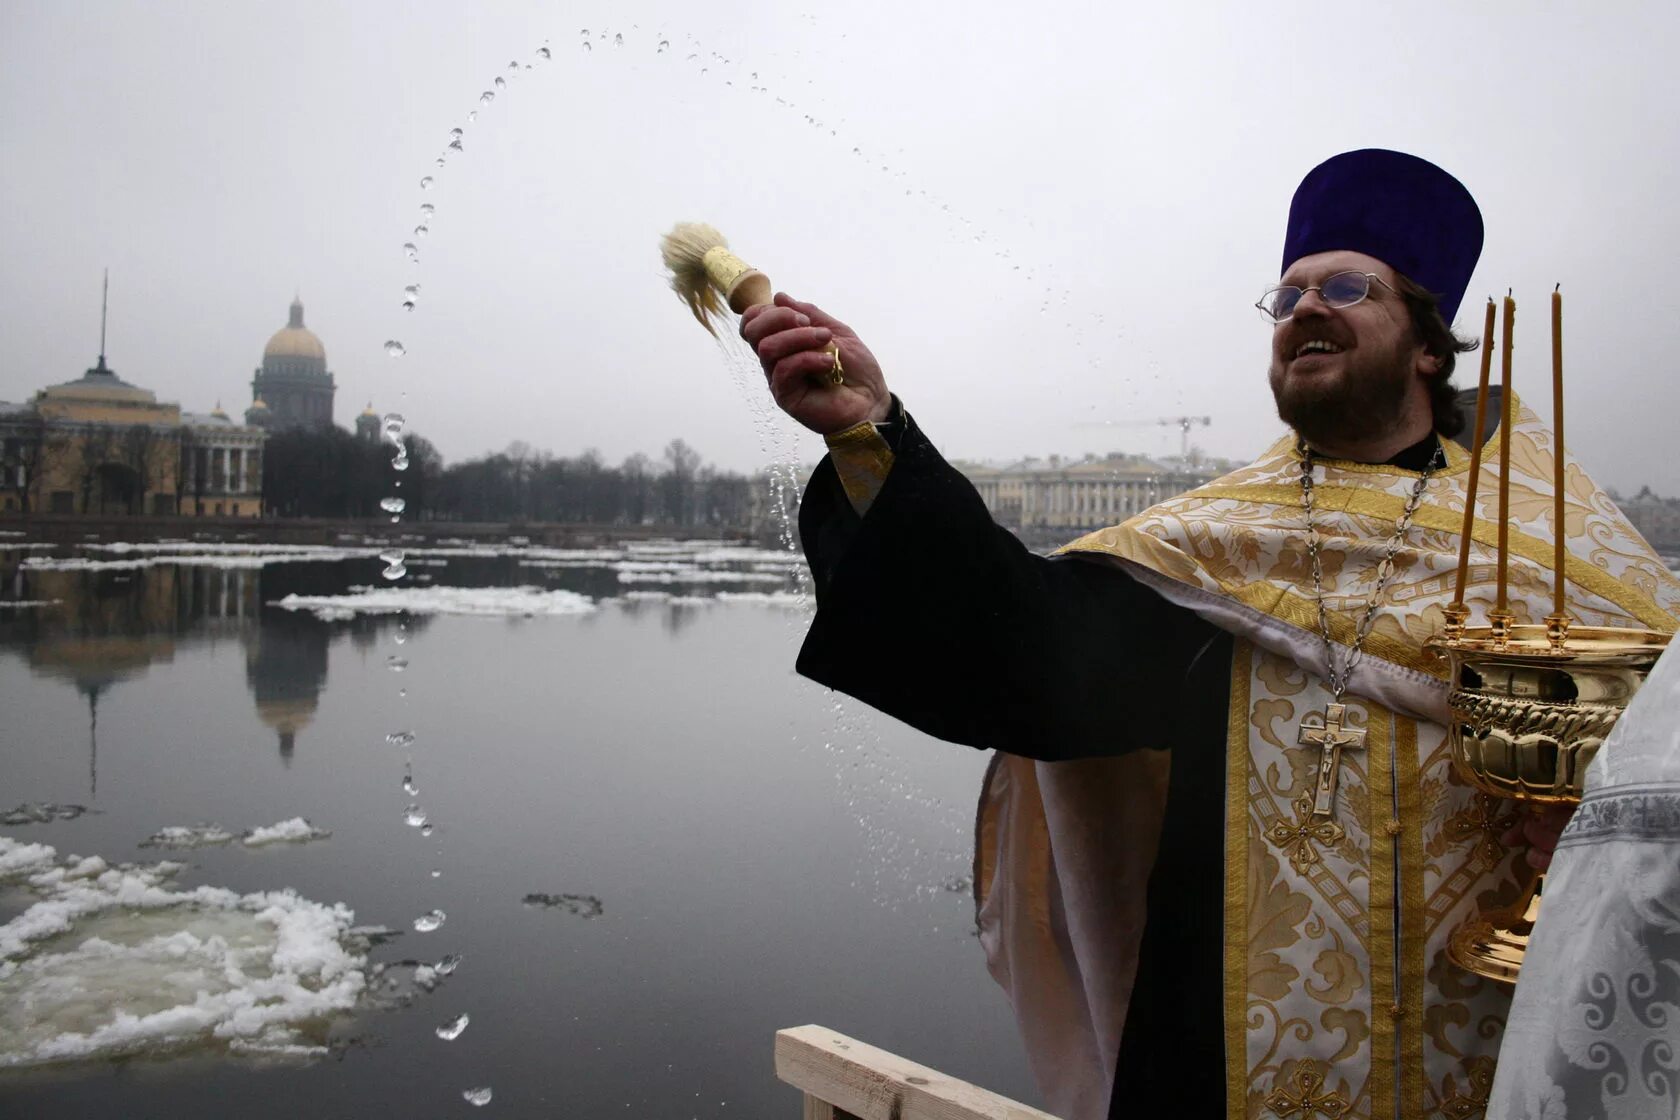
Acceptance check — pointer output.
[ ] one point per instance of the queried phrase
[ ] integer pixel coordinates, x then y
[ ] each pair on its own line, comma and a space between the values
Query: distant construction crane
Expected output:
1182, 423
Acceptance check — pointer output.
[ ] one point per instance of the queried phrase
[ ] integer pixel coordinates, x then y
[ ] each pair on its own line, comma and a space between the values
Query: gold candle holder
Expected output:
1530, 704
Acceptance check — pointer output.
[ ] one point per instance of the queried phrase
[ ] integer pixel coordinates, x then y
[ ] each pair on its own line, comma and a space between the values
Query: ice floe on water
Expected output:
118, 960
295, 830
42, 812
181, 837
481, 601
583, 905
196, 554
682, 574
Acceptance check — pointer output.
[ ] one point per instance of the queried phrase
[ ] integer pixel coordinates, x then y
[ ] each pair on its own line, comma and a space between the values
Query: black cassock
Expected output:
932, 613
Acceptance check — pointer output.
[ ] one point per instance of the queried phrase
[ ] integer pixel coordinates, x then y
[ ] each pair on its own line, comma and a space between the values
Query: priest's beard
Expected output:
1364, 402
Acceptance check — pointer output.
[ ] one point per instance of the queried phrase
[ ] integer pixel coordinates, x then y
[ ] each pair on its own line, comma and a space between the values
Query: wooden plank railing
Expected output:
844, 1079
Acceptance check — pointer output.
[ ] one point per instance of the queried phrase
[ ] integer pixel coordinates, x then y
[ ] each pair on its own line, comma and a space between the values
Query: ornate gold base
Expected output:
1492, 944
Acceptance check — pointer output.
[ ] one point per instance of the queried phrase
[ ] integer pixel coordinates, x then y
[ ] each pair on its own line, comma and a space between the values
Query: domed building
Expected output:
293, 388
368, 424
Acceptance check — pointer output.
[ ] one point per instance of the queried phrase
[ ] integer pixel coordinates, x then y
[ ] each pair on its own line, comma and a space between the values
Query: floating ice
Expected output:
118, 960
188, 836
42, 812
233, 556
583, 905
480, 601
699, 575
296, 830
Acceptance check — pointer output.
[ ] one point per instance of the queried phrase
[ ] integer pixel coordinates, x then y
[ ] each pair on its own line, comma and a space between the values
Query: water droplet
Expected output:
513, 65
426, 183
426, 211
400, 738
425, 830
408, 785
441, 161
588, 46
392, 555
399, 461
422, 230
427, 922
755, 75
664, 46
437, 872
479, 1096
618, 39
393, 423
455, 146
456, 134
584, 32
501, 82
451, 1030
394, 349
486, 97
544, 53
401, 636
472, 116
411, 250
408, 305
392, 505
414, 816
451, 961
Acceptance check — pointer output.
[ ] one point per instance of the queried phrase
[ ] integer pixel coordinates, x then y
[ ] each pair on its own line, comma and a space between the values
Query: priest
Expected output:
1221, 847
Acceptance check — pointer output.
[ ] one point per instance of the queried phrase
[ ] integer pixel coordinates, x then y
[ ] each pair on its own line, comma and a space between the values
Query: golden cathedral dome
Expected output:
294, 340
258, 405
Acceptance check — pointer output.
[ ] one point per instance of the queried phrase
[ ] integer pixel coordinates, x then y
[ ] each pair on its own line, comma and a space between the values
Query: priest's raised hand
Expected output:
791, 340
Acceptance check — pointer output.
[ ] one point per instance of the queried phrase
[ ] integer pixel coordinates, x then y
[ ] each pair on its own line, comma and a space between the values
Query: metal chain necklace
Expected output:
1328, 734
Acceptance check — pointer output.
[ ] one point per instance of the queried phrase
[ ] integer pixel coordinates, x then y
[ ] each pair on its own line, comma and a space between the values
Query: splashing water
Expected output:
392, 505
451, 1030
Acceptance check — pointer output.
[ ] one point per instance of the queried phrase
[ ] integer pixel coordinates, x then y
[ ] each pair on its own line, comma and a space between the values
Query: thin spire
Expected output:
104, 305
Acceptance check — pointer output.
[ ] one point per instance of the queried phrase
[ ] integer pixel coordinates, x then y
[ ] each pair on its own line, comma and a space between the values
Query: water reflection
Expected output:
653, 828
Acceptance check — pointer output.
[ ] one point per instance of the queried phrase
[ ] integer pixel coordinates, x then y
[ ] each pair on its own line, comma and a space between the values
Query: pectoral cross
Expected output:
1329, 736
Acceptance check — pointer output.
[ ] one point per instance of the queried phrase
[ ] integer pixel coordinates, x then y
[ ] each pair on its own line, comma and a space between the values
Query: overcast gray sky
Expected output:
1039, 216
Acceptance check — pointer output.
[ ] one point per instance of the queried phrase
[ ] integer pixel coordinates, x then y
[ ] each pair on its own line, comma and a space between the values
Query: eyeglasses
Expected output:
1341, 290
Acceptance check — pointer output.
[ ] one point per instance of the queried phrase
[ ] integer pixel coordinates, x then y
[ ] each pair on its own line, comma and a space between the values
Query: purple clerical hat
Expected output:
1403, 210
